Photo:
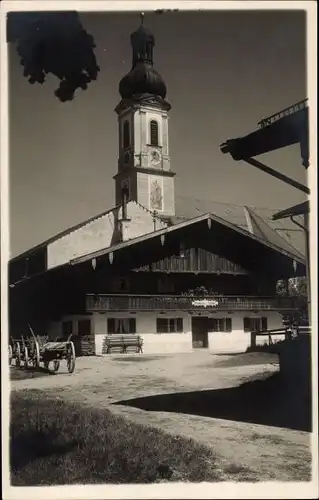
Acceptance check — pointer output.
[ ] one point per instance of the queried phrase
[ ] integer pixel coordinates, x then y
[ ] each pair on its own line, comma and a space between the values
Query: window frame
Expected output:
170, 325
126, 134
263, 323
154, 133
84, 320
227, 326
69, 331
131, 323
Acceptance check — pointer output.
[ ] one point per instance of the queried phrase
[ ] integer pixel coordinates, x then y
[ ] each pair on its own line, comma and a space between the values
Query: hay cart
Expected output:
42, 350
10, 353
18, 351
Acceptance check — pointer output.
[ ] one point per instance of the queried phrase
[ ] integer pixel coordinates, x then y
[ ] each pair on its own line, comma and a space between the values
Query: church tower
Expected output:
144, 173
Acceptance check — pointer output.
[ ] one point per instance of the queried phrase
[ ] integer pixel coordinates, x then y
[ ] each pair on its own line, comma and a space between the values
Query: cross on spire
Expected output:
142, 17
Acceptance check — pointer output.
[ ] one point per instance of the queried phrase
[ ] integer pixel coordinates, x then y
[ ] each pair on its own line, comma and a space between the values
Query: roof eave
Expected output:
180, 225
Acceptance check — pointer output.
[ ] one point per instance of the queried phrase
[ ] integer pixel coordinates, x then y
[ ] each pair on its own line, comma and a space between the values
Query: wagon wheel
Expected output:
71, 358
36, 355
26, 357
18, 355
10, 353
56, 365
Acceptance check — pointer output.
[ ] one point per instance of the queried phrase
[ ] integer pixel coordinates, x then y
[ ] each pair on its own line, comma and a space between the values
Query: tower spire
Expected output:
142, 18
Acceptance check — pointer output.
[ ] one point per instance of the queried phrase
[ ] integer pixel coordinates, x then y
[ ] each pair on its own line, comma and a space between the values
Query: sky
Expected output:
224, 72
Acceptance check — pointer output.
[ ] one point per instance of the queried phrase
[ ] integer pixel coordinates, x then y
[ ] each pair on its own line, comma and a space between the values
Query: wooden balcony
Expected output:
121, 302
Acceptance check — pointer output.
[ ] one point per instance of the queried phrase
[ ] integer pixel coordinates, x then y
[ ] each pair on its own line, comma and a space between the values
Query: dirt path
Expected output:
131, 376
259, 452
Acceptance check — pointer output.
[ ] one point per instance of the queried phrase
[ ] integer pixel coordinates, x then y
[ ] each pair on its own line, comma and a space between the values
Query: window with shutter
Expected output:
110, 325
126, 135
247, 325
228, 324
67, 328
161, 325
132, 325
154, 133
214, 324
169, 325
84, 327
121, 325
179, 324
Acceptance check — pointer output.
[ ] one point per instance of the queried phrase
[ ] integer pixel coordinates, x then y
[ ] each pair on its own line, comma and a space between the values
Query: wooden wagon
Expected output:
42, 350
34, 350
10, 353
18, 351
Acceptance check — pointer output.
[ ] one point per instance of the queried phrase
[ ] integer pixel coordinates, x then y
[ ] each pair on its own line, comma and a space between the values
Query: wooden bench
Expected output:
123, 343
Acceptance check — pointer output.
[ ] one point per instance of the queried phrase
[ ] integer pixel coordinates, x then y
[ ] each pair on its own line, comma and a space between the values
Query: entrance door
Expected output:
200, 327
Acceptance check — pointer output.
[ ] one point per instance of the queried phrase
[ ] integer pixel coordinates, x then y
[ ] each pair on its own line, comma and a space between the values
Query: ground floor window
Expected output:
169, 325
67, 328
221, 325
255, 324
121, 325
84, 327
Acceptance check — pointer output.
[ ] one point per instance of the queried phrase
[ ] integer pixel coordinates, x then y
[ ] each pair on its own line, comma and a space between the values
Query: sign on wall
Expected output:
156, 193
205, 303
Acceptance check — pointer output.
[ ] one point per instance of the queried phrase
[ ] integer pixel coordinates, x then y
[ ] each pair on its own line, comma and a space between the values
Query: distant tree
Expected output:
56, 43
296, 287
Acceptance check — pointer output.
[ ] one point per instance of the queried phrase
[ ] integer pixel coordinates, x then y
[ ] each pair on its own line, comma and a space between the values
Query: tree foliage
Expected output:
297, 287
54, 43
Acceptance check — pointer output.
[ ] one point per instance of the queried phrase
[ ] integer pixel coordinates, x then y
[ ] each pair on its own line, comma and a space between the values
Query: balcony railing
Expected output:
189, 303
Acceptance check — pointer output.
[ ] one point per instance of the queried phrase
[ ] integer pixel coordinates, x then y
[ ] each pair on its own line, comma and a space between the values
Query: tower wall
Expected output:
144, 164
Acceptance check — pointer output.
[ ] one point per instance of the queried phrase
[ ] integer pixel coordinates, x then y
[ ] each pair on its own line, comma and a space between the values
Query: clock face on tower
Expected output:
155, 157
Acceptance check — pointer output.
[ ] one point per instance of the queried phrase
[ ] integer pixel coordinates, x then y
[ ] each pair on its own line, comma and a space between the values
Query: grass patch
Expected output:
248, 359
26, 373
54, 442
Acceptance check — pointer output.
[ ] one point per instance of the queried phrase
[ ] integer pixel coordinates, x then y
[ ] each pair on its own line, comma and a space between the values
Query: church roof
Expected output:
63, 233
143, 79
257, 221
247, 245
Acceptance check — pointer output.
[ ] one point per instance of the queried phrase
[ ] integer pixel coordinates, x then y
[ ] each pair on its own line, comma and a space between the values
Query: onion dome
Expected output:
142, 79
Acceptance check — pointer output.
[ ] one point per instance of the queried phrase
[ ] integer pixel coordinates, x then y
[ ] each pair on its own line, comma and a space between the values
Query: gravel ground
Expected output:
266, 453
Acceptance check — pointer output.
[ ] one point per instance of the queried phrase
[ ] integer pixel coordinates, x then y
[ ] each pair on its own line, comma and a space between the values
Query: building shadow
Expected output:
29, 446
267, 402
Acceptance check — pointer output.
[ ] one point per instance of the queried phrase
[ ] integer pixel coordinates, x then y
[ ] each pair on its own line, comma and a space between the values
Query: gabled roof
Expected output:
265, 231
241, 216
57, 236
256, 221
290, 253
71, 229
234, 241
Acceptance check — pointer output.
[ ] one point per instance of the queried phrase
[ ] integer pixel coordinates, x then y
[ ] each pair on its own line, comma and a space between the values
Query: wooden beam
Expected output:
301, 209
285, 132
278, 175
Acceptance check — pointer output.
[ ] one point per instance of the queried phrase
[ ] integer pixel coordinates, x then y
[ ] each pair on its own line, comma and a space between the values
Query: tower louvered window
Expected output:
154, 133
126, 135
